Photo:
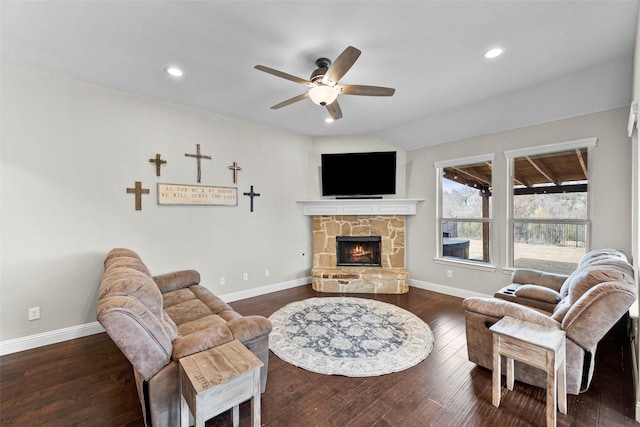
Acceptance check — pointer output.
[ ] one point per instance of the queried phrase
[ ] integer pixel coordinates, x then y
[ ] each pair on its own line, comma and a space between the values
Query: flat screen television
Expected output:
359, 174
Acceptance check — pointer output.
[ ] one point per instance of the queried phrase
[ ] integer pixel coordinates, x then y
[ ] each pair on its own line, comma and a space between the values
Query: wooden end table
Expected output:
535, 345
218, 379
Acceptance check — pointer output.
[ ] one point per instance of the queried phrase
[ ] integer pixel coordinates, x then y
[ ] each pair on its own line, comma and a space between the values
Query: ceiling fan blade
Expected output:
364, 90
291, 101
335, 110
341, 65
284, 75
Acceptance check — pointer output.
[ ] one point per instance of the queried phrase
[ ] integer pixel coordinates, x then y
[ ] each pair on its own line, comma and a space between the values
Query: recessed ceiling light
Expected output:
493, 53
174, 71
328, 120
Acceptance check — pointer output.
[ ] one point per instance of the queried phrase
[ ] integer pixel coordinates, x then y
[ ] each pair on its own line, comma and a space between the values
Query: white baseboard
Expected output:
45, 338
255, 292
59, 335
447, 290
72, 332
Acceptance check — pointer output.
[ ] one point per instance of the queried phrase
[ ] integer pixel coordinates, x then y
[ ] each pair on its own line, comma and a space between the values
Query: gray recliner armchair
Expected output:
585, 304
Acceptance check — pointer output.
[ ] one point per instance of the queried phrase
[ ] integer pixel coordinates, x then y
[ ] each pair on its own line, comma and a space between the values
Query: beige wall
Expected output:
70, 149
610, 188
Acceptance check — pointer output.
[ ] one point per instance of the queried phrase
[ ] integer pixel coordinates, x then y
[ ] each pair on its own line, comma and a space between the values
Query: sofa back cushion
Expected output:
121, 257
597, 255
133, 283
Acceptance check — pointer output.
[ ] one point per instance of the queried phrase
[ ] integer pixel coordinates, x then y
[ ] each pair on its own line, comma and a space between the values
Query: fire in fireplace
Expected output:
358, 251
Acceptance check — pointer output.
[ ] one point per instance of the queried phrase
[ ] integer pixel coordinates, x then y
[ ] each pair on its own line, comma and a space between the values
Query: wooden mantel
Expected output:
360, 206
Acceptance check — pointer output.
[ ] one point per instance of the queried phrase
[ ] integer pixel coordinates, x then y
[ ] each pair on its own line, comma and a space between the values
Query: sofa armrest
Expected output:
540, 278
176, 280
248, 327
539, 293
498, 308
201, 340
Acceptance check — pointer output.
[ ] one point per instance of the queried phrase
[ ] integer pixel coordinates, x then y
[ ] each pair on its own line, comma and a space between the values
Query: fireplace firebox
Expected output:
358, 251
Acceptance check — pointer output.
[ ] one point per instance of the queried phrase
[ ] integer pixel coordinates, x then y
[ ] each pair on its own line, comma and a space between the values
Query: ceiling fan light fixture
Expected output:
323, 94
174, 71
493, 53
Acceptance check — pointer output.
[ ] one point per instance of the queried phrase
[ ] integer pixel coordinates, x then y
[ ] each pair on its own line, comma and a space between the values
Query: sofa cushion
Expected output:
539, 293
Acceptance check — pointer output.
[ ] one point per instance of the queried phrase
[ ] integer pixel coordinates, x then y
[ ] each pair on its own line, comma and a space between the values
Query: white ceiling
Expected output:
562, 58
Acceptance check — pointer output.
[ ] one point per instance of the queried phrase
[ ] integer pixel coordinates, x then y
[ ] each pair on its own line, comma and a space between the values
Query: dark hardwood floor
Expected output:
87, 382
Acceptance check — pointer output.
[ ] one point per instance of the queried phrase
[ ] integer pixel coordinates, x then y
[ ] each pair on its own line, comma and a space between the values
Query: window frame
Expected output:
439, 167
588, 143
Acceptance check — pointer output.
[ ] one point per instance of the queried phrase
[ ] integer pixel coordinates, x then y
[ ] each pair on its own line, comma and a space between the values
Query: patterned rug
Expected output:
354, 337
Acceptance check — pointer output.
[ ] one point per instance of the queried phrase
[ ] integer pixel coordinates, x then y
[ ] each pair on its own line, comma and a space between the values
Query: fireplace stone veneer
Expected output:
390, 278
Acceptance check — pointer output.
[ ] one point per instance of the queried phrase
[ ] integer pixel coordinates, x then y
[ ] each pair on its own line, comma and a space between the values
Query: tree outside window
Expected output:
549, 206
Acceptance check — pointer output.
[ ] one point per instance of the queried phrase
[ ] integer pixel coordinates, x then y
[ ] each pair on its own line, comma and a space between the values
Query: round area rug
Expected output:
354, 337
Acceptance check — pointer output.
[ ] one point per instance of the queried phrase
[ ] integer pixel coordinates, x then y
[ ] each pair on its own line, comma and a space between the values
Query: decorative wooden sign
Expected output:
138, 191
180, 194
252, 194
199, 157
159, 162
235, 168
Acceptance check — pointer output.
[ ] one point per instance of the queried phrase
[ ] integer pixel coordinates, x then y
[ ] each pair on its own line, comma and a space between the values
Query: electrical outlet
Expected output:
222, 281
34, 313
245, 276
449, 273
266, 273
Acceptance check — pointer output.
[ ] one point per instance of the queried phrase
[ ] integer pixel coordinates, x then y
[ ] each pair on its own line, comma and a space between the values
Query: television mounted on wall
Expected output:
359, 175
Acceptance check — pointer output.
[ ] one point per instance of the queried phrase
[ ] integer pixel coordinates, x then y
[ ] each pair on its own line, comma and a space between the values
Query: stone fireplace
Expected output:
358, 251
345, 258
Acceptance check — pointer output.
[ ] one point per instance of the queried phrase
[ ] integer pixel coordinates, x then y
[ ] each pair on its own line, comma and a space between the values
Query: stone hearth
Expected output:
390, 278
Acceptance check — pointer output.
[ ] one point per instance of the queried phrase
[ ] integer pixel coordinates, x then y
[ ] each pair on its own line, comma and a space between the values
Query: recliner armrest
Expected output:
537, 292
498, 308
540, 278
176, 280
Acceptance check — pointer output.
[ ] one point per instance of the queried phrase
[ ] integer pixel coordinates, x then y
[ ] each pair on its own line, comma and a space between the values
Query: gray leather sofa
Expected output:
156, 320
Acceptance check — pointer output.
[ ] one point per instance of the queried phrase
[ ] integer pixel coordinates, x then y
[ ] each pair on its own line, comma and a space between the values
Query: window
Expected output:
464, 217
549, 206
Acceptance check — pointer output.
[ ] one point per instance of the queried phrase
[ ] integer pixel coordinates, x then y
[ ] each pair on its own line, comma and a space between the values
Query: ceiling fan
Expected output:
323, 83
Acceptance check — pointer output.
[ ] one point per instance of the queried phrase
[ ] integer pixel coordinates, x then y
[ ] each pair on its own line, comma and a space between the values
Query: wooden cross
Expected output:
198, 156
235, 168
138, 191
158, 163
252, 195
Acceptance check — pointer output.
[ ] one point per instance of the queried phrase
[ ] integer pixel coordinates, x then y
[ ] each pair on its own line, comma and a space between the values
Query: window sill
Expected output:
474, 265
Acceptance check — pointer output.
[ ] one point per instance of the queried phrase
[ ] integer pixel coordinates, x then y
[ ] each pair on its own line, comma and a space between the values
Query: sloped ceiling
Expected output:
561, 58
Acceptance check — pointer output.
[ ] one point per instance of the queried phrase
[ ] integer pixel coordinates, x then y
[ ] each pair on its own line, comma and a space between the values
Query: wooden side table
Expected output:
218, 379
534, 345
